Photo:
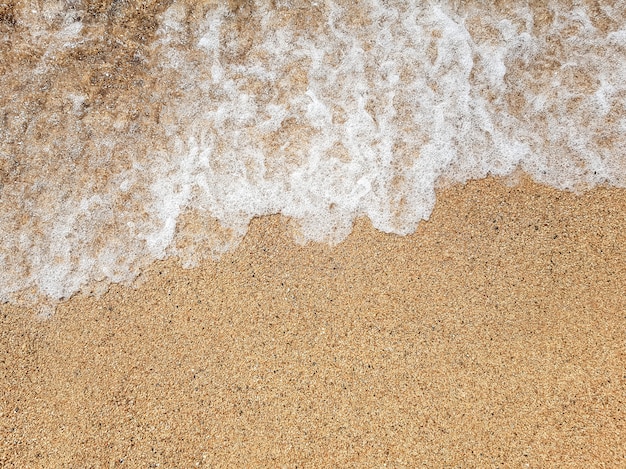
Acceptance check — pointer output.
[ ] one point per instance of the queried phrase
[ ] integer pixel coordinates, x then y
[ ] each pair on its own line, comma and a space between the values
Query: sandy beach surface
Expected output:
495, 336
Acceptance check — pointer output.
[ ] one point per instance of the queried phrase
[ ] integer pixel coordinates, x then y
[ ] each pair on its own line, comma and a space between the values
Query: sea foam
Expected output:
129, 136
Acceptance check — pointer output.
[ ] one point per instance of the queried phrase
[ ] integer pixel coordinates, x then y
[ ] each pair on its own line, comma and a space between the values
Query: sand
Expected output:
495, 336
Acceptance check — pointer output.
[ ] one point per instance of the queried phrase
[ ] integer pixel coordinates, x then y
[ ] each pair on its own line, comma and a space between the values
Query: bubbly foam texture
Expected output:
133, 134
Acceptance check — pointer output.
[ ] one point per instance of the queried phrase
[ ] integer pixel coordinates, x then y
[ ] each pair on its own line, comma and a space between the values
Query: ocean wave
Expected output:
133, 134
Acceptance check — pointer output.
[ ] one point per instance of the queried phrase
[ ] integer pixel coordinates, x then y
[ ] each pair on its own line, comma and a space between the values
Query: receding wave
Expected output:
129, 134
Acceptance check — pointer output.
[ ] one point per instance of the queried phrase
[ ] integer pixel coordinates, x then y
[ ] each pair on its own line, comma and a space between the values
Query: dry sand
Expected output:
494, 336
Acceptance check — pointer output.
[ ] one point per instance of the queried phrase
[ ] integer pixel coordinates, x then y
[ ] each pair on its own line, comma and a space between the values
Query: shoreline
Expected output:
493, 335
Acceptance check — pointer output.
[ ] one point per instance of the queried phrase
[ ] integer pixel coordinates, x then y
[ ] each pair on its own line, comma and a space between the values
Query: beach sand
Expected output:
495, 336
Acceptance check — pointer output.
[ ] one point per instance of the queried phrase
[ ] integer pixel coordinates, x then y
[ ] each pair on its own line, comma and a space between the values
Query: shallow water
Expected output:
132, 133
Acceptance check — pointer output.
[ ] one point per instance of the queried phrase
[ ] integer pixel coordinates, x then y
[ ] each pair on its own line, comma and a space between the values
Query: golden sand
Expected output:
492, 337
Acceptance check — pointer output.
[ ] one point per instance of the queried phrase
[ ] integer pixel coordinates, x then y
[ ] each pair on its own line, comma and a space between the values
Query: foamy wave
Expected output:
129, 135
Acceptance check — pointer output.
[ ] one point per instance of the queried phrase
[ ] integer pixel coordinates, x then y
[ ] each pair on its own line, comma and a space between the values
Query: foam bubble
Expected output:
129, 137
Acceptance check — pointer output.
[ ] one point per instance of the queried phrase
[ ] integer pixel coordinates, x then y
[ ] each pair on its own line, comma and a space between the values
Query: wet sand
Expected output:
494, 336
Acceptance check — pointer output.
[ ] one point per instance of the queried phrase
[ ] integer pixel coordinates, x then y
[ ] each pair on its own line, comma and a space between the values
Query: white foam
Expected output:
360, 115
